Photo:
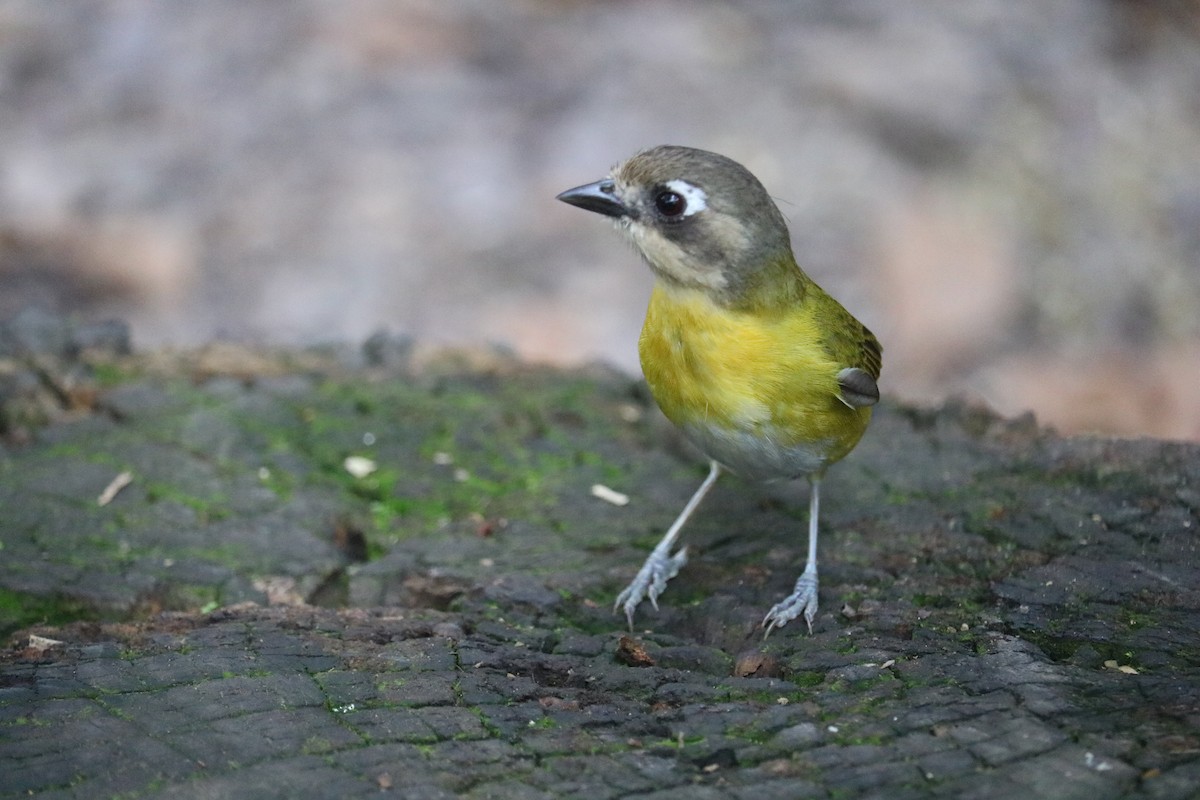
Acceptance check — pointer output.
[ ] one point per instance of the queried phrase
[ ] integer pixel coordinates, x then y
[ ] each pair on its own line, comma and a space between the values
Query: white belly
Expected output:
758, 456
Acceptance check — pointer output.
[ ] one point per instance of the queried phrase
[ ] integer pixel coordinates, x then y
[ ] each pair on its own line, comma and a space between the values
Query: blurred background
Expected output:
1006, 191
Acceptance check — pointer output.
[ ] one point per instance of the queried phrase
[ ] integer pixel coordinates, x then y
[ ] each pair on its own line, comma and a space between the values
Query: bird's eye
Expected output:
670, 204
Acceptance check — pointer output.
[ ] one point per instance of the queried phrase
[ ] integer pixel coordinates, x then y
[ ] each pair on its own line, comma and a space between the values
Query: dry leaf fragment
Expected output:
610, 495
632, 653
114, 486
359, 466
41, 644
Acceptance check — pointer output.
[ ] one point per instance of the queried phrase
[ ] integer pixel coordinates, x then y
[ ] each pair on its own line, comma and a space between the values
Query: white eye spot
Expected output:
693, 196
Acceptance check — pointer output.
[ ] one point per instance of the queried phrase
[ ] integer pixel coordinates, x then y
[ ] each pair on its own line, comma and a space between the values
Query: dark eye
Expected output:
670, 204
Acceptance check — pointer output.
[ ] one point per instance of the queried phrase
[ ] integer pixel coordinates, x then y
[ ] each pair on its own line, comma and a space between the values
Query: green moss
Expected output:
680, 741
1138, 620
517, 447
20, 610
490, 727
849, 740
19, 721
316, 745
845, 645
749, 732
922, 600
281, 482
112, 373
461, 451
807, 678
593, 622
204, 599
208, 509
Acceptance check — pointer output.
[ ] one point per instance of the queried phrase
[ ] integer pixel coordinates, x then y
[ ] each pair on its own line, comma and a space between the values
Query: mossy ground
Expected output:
999, 607
235, 476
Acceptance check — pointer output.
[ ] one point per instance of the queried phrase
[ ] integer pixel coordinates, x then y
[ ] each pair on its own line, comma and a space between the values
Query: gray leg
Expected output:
803, 599
662, 565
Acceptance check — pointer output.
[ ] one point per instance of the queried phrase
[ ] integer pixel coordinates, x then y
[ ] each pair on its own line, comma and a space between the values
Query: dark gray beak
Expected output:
600, 197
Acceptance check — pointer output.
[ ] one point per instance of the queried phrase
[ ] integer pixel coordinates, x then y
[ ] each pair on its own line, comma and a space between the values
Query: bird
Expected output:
762, 370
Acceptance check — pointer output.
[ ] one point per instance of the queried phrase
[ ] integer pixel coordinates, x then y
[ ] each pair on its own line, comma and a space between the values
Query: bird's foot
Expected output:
650, 582
802, 600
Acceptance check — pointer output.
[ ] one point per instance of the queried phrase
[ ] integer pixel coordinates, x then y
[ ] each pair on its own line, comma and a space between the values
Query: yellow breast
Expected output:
757, 391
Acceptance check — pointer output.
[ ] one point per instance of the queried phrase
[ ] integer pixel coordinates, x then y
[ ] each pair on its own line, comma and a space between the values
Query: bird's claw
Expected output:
650, 582
802, 601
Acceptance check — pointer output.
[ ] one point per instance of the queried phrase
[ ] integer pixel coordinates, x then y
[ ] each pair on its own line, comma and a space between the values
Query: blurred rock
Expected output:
109, 336
46, 367
35, 331
385, 349
987, 185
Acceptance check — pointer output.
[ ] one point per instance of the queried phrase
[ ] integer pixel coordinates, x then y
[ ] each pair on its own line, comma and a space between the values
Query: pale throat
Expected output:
672, 264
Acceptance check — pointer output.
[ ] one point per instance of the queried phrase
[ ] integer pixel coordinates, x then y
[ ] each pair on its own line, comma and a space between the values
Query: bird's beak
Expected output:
600, 197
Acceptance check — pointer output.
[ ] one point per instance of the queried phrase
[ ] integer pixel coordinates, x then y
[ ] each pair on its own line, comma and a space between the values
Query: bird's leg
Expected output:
803, 599
662, 565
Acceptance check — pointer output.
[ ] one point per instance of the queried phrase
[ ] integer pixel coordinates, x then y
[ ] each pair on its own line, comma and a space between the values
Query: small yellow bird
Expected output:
761, 369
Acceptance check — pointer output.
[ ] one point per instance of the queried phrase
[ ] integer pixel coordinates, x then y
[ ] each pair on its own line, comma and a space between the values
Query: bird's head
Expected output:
701, 220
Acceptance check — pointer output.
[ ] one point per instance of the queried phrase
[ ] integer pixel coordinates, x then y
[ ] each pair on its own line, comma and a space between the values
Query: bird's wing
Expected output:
857, 382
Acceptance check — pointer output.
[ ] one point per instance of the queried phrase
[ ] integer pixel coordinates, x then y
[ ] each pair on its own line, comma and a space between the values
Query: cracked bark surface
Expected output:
1003, 611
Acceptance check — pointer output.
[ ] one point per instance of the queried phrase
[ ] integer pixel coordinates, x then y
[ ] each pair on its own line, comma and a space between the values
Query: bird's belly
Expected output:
760, 400
758, 454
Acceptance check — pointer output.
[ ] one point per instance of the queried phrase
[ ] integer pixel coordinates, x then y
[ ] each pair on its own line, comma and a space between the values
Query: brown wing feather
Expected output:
870, 353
